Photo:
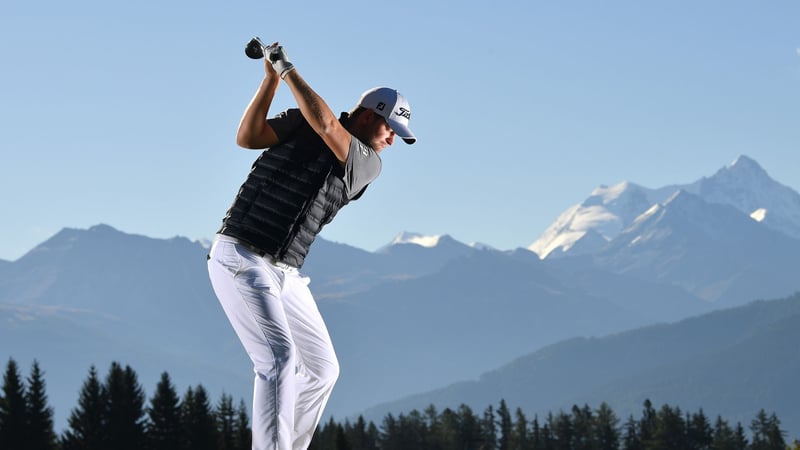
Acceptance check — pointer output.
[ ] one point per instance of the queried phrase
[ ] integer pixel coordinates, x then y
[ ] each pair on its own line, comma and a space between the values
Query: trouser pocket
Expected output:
226, 255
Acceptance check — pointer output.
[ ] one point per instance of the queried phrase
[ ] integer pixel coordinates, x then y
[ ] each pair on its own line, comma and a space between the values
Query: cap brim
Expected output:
402, 131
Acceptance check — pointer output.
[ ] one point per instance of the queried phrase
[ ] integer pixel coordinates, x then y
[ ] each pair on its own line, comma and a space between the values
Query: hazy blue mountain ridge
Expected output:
711, 250
104, 295
477, 312
730, 362
340, 269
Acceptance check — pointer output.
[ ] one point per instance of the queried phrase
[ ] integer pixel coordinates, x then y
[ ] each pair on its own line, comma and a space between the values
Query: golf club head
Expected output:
254, 49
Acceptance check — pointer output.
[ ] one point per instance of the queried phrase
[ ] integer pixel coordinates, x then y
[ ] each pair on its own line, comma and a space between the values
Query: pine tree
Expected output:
489, 429
583, 437
766, 433
670, 430
88, 420
505, 426
13, 411
199, 429
520, 438
536, 434
471, 434
324, 436
740, 437
413, 430
647, 424
164, 426
606, 428
632, 439
125, 399
359, 435
390, 432
561, 428
340, 439
548, 441
699, 434
39, 421
374, 434
449, 433
244, 437
726, 438
225, 417
433, 425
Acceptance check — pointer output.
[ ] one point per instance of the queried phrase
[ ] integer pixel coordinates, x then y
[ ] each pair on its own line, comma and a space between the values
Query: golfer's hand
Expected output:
280, 60
268, 69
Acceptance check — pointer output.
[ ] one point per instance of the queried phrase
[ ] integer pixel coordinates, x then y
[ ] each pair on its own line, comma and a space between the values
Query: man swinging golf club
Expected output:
313, 165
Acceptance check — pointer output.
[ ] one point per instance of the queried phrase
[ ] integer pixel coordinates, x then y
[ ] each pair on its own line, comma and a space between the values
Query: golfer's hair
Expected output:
356, 111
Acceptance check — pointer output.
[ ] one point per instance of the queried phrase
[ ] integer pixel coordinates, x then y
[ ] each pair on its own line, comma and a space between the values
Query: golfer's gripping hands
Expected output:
280, 60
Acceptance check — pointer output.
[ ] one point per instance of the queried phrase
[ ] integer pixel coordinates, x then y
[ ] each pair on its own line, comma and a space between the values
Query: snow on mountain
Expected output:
406, 237
481, 246
431, 241
759, 215
608, 211
415, 242
745, 185
343, 270
711, 250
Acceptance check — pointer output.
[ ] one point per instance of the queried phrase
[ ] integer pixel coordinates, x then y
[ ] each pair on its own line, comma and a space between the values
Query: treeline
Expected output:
113, 413
580, 429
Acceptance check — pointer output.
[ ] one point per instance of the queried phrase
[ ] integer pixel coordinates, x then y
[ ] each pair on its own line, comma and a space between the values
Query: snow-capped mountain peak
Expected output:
608, 194
742, 184
606, 212
746, 186
743, 164
406, 237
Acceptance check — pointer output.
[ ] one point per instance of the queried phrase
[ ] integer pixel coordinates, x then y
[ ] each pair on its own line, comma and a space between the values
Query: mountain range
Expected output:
743, 185
426, 313
724, 362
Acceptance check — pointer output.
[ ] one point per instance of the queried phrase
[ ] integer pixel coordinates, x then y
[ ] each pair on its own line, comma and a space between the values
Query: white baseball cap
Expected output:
393, 107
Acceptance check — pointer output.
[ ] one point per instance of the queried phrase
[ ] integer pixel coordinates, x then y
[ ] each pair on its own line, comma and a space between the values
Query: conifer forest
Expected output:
112, 412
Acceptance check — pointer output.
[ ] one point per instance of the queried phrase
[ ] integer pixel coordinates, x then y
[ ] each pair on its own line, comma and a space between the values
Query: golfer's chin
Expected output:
379, 145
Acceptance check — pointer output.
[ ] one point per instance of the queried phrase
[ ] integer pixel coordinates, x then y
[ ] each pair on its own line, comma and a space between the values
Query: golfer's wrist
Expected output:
270, 80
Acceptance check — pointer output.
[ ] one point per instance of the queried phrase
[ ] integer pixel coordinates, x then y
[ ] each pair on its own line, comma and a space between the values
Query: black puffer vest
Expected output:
292, 191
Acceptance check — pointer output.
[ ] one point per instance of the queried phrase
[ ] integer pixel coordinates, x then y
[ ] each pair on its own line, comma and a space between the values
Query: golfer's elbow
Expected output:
245, 141
249, 139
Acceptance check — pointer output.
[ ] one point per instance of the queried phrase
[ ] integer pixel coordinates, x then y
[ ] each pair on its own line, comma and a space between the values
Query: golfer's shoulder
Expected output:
286, 122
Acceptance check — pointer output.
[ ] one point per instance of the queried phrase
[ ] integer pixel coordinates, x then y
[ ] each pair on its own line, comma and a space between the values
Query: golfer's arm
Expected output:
254, 130
319, 115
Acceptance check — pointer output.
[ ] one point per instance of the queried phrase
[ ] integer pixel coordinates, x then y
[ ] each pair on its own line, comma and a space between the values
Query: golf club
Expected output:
256, 49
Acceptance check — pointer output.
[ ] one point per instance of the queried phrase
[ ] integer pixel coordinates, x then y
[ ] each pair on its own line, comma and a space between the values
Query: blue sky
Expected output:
125, 113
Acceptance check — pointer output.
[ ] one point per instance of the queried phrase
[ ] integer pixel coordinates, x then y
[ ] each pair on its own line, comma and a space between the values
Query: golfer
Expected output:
313, 165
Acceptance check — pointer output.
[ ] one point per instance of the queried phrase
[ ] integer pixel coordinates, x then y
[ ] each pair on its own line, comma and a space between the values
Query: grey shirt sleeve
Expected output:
363, 165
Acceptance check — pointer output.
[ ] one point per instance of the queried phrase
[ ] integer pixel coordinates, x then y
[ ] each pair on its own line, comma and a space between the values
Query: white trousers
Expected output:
277, 320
